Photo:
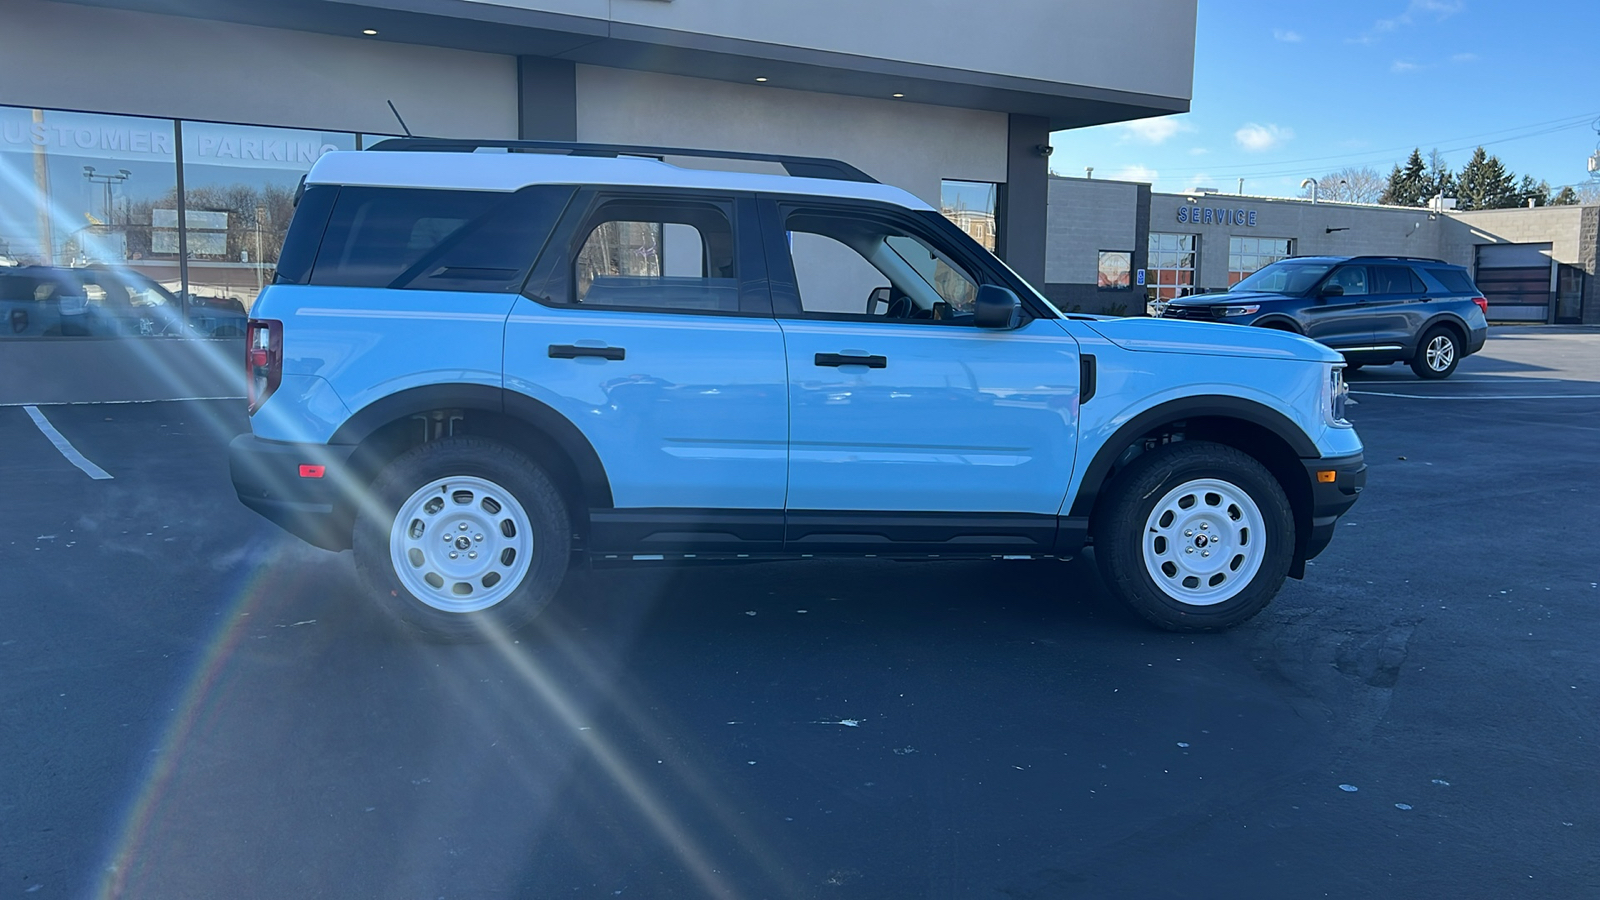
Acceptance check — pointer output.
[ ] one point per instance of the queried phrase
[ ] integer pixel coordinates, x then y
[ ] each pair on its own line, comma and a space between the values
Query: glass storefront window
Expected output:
77, 192
1171, 266
1247, 254
239, 183
972, 205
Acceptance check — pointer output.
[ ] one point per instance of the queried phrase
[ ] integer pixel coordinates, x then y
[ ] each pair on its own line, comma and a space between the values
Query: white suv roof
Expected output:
511, 171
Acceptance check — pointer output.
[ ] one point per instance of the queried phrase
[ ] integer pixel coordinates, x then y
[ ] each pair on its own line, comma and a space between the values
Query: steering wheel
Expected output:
900, 308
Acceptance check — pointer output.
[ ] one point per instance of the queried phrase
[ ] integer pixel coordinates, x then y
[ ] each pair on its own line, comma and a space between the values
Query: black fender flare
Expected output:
1272, 321
1202, 406
571, 441
1449, 320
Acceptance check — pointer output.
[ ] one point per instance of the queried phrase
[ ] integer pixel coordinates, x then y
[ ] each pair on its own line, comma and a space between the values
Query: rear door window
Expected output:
422, 239
1392, 280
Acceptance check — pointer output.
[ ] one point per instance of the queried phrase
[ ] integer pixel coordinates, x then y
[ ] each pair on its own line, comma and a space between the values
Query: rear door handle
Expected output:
571, 351
842, 359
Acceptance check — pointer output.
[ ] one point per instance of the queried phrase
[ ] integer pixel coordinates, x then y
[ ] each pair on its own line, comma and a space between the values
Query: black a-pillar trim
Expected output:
1024, 199
547, 99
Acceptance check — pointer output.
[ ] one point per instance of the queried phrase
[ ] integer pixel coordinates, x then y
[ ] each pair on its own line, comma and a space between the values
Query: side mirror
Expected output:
996, 307
1331, 290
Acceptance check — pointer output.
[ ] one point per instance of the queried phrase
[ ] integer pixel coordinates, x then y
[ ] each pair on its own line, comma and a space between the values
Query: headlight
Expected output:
1335, 394
1239, 310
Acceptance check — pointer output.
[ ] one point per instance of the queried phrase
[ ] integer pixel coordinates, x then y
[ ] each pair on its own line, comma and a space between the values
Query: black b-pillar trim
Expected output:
1024, 199
547, 99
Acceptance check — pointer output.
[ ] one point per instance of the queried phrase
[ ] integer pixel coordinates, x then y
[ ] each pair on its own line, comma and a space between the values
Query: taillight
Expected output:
1483, 304
263, 359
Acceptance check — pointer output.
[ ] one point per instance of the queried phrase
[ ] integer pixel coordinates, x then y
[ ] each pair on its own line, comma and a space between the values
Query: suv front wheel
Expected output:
462, 537
1195, 536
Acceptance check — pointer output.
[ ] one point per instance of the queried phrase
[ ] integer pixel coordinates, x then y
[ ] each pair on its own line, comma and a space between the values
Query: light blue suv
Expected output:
482, 363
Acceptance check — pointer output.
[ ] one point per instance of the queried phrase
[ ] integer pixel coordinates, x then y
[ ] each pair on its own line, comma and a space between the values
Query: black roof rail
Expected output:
1415, 259
798, 166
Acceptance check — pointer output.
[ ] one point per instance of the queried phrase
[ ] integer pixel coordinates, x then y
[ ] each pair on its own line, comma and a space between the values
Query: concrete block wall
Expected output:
1086, 216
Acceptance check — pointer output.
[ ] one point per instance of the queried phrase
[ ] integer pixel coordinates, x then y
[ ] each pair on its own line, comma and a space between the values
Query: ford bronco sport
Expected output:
482, 363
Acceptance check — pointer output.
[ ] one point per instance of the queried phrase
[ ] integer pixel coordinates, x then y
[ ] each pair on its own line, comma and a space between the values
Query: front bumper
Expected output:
1331, 499
318, 510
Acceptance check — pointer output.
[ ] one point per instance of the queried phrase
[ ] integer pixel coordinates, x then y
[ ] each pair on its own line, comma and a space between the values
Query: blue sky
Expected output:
1285, 91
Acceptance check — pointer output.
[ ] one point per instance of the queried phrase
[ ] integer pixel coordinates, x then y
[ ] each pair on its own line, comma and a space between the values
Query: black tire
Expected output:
549, 539
1120, 532
1438, 339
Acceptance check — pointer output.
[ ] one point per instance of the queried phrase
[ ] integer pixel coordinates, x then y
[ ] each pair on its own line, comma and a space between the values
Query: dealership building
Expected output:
1113, 246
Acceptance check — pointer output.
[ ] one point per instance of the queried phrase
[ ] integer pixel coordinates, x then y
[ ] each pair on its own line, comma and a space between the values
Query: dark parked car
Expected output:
99, 301
1373, 309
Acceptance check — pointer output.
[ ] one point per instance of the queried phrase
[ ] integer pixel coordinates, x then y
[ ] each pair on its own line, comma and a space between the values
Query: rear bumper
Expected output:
267, 477
1332, 499
1477, 338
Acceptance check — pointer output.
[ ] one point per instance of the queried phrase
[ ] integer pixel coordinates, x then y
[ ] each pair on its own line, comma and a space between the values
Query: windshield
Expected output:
1286, 277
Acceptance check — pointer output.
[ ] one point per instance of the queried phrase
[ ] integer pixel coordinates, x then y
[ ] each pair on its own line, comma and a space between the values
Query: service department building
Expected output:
1534, 265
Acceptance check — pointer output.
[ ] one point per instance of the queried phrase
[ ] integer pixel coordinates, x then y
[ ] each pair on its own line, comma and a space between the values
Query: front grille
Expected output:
1201, 313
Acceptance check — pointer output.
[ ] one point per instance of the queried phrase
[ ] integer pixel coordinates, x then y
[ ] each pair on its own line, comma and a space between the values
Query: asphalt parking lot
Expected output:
193, 704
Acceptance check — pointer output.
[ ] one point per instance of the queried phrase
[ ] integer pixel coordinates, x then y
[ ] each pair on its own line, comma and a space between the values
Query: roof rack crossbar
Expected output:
797, 166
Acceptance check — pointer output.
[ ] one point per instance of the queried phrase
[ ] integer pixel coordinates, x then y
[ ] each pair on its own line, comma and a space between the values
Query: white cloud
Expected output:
1257, 138
1439, 10
1287, 36
1198, 151
1155, 131
1464, 58
1134, 172
1404, 67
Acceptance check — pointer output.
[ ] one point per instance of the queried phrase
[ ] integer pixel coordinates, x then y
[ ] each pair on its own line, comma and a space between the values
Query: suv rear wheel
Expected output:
461, 537
1437, 354
1195, 536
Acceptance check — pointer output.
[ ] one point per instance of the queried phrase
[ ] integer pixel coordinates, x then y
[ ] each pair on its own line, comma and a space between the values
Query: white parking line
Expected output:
1480, 396
65, 446
1503, 381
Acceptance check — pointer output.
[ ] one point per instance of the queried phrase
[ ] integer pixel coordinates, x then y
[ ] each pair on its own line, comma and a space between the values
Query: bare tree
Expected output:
1351, 185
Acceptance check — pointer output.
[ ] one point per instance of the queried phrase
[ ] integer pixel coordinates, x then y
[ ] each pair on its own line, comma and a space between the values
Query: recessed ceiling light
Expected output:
369, 31
898, 96
761, 78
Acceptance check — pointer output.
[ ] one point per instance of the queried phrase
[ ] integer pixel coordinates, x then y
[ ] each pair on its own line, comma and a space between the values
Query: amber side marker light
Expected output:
316, 472
1323, 477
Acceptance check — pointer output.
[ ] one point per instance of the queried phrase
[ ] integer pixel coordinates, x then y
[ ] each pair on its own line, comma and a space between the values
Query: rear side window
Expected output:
664, 255
1394, 280
438, 240
1454, 280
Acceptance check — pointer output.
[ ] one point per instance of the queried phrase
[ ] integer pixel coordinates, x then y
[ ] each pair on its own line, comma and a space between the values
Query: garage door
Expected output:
1516, 280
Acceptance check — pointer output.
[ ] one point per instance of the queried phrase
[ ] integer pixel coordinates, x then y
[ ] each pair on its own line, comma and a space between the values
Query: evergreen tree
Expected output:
1530, 190
1394, 188
1485, 183
1408, 186
1567, 197
1439, 181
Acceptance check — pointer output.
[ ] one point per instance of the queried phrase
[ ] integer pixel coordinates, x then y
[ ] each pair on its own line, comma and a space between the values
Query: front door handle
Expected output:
571, 351
842, 359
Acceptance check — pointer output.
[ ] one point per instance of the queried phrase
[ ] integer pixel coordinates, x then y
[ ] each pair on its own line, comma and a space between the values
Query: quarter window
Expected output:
435, 240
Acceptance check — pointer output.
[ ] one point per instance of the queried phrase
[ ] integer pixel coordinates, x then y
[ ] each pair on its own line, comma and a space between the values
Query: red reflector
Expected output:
258, 358
311, 471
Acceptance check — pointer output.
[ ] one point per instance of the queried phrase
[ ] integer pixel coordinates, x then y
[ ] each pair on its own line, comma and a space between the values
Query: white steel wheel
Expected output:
1204, 541
1194, 536
461, 544
1441, 353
